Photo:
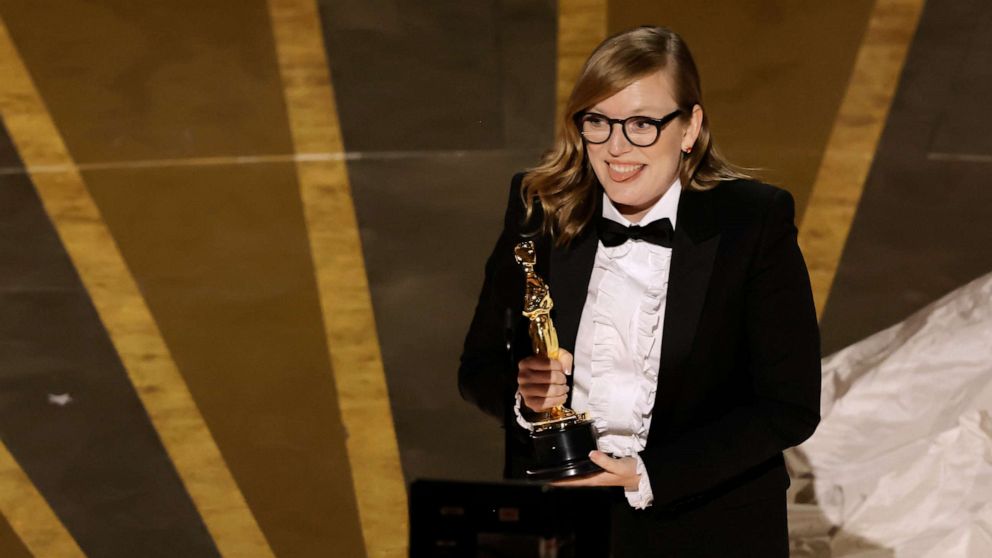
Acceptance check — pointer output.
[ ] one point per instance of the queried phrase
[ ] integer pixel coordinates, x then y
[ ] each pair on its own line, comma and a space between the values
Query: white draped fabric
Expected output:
901, 464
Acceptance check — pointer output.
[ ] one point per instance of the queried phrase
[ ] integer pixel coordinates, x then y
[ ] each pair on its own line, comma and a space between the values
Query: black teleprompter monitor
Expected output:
453, 519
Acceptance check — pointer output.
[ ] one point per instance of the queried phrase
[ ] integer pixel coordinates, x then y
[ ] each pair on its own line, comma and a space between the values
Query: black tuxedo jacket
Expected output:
739, 374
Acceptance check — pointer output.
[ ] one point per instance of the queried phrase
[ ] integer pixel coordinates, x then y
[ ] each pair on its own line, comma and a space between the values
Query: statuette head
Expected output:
525, 254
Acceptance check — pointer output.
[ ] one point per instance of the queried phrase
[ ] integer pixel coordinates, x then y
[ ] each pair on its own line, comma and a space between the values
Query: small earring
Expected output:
687, 150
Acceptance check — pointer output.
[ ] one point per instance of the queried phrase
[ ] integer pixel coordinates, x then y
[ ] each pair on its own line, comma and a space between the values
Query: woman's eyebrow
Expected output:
635, 111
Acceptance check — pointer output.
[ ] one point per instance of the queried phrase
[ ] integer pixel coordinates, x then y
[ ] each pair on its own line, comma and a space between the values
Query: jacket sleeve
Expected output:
783, 363
486, 376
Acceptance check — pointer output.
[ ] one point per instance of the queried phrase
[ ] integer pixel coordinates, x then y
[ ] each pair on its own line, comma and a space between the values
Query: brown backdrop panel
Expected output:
222, 257
411, 75
773, 72
10, 545
128, 80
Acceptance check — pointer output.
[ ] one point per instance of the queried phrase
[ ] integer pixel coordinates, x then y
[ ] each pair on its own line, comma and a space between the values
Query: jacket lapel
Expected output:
571, 268
568, 279
693, 254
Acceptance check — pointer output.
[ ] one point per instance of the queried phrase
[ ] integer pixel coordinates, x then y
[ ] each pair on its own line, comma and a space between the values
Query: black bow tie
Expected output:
658, 232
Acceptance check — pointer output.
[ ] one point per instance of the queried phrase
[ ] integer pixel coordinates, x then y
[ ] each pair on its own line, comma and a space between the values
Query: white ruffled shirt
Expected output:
618, 346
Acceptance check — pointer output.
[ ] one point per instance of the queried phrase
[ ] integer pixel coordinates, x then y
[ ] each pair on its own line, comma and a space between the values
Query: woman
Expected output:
679, 288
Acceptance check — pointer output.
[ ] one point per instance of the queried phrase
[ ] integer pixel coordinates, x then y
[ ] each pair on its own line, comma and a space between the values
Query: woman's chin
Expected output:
627, 205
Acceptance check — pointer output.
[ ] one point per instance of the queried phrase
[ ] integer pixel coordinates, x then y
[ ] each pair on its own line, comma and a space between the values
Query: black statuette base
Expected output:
562, 451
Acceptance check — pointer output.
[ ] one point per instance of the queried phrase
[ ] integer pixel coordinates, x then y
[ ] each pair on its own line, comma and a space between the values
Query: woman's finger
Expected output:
595, 479
538, 403
549, 402
541, 377
538, 363
543, 390
605, 461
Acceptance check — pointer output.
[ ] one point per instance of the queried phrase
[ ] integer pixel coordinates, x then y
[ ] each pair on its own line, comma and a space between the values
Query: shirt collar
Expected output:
667, 206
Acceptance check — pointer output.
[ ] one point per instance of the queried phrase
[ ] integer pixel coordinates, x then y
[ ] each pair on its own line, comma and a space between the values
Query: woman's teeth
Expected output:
622, 172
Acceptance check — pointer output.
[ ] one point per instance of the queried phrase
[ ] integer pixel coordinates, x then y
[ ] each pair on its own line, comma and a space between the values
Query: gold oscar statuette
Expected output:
561, 438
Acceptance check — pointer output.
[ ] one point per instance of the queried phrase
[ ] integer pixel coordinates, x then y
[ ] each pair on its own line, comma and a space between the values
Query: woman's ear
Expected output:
691, 131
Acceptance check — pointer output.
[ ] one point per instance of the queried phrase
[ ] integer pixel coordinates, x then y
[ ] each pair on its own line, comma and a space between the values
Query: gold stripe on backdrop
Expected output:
341, 279
854, 139
27, 511
581, 26
124, 313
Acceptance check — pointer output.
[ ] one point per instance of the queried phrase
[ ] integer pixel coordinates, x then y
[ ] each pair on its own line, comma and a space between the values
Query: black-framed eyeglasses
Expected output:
641, 131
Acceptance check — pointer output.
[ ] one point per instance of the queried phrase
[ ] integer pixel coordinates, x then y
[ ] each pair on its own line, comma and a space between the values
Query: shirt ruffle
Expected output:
606, 348
648, 322
619, 404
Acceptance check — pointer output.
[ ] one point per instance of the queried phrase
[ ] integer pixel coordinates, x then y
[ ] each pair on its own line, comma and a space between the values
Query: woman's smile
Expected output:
623, 172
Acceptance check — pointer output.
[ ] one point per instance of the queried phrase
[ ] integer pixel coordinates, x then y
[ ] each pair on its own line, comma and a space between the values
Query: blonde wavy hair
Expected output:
564, 183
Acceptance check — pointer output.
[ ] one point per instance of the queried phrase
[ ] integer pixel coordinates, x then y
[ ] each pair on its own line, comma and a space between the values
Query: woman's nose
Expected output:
618, 143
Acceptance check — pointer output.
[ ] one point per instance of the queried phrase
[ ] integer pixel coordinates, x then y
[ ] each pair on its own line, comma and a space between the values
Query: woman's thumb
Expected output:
565, 358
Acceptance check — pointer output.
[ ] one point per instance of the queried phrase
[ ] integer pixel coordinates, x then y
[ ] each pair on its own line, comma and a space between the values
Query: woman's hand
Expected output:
616, 472
541, 381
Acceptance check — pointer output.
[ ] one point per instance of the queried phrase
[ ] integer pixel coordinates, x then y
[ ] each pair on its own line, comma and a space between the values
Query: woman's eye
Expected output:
640, 125
594, 121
